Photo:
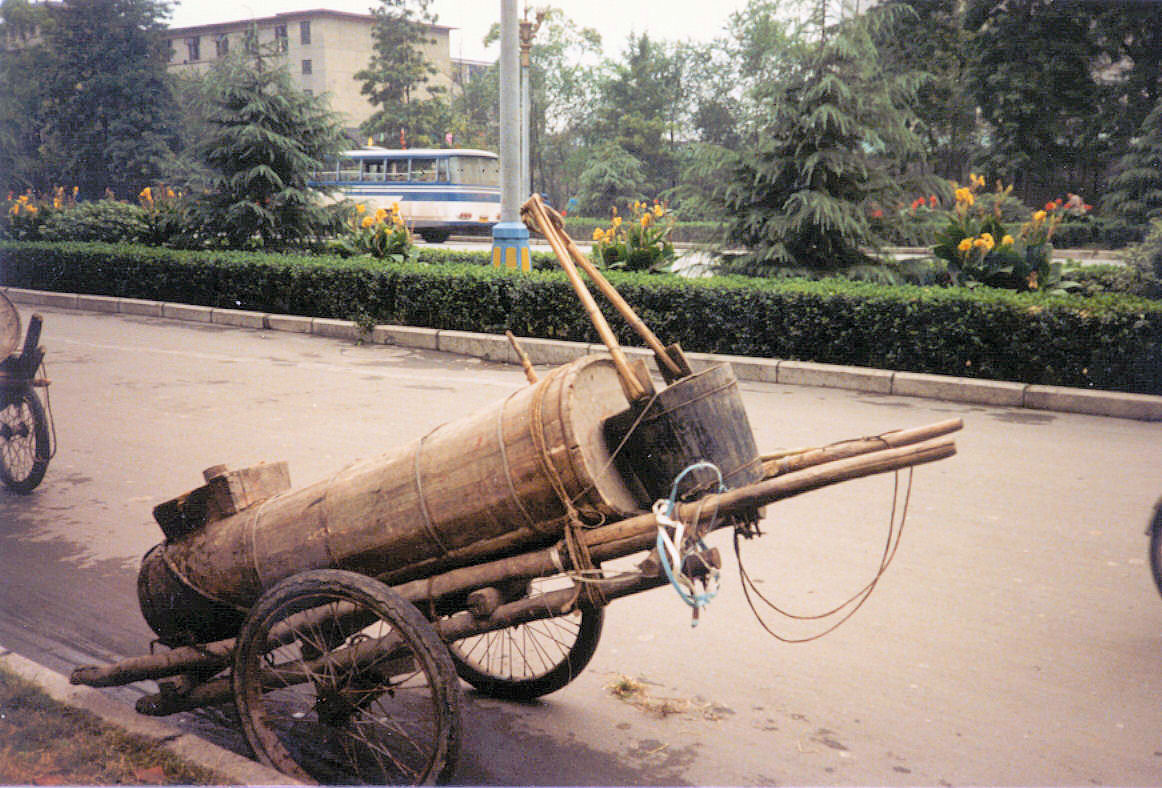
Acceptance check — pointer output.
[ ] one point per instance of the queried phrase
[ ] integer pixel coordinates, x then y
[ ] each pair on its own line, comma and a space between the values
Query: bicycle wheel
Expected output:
338, 679
24, 440
530, 660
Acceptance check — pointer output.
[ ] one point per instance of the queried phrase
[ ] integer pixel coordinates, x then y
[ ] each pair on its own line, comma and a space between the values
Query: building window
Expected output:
250, 41
169, 50
193, 49
307, 67
280, 41
304, 32
222, 45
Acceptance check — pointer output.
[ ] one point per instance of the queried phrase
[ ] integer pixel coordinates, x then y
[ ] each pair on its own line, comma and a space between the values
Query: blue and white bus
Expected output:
439, 191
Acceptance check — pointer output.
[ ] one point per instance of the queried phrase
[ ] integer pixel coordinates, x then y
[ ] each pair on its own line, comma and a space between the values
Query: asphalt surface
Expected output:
1014, 640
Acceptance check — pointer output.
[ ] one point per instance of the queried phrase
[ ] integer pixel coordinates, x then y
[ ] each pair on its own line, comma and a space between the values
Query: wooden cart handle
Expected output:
610, 292
533, 212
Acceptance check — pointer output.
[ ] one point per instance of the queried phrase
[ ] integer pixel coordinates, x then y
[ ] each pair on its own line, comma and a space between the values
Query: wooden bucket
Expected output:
479, 488
698, 418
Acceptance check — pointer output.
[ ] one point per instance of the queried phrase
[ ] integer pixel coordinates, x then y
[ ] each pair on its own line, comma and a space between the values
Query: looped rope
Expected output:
673, 551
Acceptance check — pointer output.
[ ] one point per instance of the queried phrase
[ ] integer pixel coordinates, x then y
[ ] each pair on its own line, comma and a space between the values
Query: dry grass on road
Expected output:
43, 742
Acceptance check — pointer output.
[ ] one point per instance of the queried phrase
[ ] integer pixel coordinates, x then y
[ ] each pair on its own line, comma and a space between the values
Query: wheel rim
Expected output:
372, 720
17, 440
522, 653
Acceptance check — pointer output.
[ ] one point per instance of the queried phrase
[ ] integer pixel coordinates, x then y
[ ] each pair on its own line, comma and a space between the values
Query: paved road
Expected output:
1015, 640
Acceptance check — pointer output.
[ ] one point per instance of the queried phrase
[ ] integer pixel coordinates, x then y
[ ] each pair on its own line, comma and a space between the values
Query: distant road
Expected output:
1017, 638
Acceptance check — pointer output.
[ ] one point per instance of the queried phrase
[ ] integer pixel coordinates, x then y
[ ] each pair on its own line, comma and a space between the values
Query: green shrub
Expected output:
97, 220
1107, 341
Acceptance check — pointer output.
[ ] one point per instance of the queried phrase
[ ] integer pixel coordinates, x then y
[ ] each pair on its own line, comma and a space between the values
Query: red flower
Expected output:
1049, 206
933, 201
877, 214
917, 203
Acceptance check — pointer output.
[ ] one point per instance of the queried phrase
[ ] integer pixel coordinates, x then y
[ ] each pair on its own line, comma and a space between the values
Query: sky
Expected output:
672, 20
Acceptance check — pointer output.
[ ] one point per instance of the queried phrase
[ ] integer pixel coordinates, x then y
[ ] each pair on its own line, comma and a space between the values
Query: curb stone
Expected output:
948, 388
224, 763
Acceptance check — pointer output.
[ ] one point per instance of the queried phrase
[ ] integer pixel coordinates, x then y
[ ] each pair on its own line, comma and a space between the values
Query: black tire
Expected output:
530, 660
24, 440
1156, 546
388, 716
434, 236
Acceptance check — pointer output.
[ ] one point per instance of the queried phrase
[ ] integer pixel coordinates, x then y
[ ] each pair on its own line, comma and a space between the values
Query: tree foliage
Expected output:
97, 92
398, 80
834, 121
1136, 189
266, 137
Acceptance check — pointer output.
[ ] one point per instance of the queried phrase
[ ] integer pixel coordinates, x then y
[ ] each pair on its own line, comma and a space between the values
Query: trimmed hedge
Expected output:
1104, 341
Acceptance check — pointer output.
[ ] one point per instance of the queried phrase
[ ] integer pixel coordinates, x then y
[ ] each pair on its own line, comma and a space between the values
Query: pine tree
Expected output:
396, 81
834, 119
1135, 191
266, 138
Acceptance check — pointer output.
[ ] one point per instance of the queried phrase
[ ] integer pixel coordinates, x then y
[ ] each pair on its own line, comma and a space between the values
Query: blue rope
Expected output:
696, 601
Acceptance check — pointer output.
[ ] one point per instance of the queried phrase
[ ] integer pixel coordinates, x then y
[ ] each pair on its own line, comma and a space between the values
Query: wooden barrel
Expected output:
482, 487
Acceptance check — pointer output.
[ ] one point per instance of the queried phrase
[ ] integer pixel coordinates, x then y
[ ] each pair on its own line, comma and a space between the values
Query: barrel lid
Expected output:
9, 327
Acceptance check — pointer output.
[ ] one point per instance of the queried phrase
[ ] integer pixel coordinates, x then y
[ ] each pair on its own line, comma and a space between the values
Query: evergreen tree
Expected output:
397, 80
265, 139
1135, 191
107, 103
834, 119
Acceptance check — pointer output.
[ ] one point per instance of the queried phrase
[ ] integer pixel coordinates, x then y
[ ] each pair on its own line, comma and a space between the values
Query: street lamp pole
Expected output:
527, 31
510, 238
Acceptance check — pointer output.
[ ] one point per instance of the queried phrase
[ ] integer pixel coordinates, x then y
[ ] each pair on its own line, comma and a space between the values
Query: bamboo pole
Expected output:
533, 210
557, 223
526, 364
779, 463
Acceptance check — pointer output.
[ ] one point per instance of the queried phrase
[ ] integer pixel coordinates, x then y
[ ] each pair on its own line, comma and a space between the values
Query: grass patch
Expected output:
44, 742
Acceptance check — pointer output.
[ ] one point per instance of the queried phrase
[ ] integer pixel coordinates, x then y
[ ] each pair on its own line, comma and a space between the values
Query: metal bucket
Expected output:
697, 418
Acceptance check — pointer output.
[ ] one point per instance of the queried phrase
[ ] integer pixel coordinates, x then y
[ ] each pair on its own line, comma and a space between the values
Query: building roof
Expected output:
284, 16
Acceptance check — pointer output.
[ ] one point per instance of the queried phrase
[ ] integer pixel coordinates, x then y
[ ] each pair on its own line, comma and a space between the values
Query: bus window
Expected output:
326, 175
348, 169
397, 169
442, 171
476, 170
373, 169
423, 170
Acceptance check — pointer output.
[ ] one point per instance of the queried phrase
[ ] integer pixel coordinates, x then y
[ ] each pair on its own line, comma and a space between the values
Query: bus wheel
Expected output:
434, 236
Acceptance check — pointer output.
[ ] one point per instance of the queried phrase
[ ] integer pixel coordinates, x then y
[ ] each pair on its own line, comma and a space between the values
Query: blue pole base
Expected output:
510, 247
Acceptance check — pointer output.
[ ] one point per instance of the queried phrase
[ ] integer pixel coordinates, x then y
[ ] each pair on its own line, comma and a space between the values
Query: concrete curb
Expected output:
228, 765
1140, 407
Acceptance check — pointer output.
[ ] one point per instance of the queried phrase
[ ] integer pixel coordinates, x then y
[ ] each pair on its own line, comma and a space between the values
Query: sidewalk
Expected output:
494, 347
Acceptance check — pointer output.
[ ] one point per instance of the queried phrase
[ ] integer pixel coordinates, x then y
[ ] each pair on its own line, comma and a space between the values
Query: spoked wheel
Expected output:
530, 660
24, 440
338, 679
1156, 546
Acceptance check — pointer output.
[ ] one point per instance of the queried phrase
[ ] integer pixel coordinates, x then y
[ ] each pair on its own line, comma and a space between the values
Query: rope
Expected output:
858, 598
673, 551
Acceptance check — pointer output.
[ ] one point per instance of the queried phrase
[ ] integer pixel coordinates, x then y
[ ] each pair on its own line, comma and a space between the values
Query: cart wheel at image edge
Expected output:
529, 660
24, 441
1156, 546
321, 700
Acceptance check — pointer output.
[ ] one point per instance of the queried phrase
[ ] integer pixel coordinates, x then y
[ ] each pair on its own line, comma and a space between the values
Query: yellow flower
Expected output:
395, 207
598, 235
169, 193
989, 241
380, 215
1039, 216
368, 221
1007, 241
964, 195
645, 220
360, 209
146, 195
617, 221
658, 210
964, 245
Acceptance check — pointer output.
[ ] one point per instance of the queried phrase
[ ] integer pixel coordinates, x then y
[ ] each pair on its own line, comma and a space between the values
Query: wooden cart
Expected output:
339, 618
26, 433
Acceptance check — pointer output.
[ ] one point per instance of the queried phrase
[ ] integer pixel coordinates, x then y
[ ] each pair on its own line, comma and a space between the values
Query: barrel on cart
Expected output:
339, 617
